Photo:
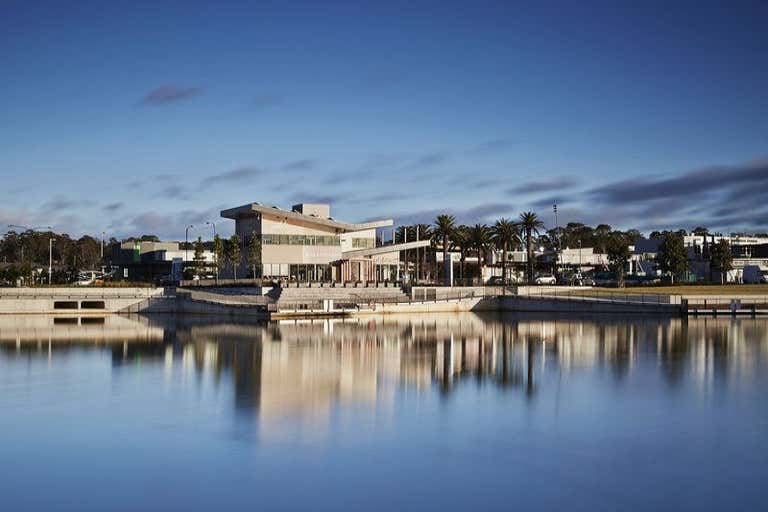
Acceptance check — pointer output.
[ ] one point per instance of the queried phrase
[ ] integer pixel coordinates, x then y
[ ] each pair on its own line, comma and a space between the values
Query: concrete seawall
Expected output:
73, 300
498, 303
555, 305
100, 301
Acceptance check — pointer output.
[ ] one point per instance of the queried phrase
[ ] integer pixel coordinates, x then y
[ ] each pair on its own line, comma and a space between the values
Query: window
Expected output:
329, 240
363, 243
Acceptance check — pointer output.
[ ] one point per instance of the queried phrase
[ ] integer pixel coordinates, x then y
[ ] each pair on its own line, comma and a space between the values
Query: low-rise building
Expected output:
153, 261
306, 244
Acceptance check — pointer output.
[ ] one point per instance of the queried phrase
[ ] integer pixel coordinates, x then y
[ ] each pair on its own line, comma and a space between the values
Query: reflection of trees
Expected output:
309, 365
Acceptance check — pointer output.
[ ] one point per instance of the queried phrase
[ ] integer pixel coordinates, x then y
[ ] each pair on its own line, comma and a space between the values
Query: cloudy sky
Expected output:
148, 116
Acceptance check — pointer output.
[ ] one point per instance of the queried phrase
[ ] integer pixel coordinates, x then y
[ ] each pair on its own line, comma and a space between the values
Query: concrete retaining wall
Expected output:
76, 300
577, 306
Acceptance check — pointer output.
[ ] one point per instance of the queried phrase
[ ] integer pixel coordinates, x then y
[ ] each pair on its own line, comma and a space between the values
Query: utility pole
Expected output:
557, 236
417, 255
186, 242
50, 260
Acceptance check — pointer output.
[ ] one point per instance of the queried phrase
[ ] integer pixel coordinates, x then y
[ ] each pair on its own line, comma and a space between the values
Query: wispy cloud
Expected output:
491, 146
715, 179
429, 160
239, 175
547, 185
314, 197
173, 192
169, 93
482, 213
305, 164
61, 205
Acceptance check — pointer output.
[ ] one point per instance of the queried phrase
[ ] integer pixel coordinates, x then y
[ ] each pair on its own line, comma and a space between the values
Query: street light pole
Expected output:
186, 246
557, 235
215, 256
579, 255
50, 259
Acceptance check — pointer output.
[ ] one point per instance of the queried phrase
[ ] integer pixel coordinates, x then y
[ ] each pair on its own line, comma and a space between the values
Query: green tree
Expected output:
602, 235
254, 253
425, 233
480, 240
700, 230
199, 257
617, 251
234, 253
444, 226
219, 253
721, 258
530, 224
672, 257
505, 235
461, 241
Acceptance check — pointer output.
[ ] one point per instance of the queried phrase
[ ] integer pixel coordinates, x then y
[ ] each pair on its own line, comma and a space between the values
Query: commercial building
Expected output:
153, 261
306, 244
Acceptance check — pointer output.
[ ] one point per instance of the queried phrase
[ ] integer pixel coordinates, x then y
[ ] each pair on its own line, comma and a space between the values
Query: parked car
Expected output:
545, 279
89, 277
753, 274
575, 279
604, 279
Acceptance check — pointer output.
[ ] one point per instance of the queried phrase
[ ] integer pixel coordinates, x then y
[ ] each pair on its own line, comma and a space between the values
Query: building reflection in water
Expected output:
302, 369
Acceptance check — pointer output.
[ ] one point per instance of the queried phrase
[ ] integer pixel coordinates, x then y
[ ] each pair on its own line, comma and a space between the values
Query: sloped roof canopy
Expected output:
249, 210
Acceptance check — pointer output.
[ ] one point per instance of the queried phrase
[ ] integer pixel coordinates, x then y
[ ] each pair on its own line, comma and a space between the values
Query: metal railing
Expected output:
228, 299
587, 295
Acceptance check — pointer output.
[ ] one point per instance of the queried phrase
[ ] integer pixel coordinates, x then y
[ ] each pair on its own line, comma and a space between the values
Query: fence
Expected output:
581, 295
220, 298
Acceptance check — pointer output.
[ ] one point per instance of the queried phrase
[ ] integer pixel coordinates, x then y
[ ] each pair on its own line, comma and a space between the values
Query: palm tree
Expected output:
444, 226
462, 241
504, 235
480, 238
425, 233
530, 223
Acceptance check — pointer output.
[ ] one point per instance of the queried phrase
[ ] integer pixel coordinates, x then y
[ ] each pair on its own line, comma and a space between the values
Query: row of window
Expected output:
298, 272
309, 272
328, 240
363, 243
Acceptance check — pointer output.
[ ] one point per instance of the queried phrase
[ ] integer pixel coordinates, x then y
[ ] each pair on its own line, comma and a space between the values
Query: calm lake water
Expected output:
442, 412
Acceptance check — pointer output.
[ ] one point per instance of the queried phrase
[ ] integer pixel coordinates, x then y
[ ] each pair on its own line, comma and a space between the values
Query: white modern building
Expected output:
306, 244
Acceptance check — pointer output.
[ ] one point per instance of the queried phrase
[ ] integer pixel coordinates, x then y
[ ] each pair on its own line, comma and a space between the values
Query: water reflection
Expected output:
452, 411
302, 368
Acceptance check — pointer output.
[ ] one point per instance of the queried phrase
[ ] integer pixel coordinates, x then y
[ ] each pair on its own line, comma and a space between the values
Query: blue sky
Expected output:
145, 117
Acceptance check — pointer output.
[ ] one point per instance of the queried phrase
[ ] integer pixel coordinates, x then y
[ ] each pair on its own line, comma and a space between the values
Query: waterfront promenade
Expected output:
323, 301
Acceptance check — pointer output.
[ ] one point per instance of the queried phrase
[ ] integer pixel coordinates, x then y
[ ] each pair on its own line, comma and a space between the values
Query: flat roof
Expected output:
385, 249
248, 210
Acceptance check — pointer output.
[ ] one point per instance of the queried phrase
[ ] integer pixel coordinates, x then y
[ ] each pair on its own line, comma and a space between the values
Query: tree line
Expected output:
527, 232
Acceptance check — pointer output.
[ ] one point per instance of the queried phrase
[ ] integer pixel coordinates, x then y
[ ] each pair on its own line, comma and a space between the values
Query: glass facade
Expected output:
296, 272
326, 240
386, 273
363, 243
